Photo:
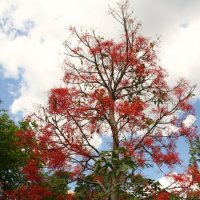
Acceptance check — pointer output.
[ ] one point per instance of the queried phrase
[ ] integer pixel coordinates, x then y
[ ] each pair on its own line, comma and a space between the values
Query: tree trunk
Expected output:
115, 135
114, 196
114, 130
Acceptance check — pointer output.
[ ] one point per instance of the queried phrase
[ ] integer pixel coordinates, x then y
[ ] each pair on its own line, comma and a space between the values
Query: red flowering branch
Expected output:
117, 90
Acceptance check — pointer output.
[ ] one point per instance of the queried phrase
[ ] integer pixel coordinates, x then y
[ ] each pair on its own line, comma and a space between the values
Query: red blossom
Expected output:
148, 142
129, 149
133, 109
31, 171
30, 192
140, 69
163, 196
59, 99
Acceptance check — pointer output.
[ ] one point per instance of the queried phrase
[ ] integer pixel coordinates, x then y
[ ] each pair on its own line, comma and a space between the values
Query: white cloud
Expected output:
170, 129
167, 182
96, 141
178, 23
40, 53
189, 121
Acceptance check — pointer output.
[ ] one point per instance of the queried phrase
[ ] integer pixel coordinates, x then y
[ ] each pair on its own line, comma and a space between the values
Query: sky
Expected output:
32, 33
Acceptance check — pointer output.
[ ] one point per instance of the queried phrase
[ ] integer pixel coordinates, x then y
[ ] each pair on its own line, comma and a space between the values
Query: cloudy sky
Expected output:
32, 33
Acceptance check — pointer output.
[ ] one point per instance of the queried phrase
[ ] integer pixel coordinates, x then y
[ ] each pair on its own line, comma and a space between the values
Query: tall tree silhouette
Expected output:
113, 88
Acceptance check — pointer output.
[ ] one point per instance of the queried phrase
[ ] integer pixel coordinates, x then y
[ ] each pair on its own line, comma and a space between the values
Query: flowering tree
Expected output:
115, 89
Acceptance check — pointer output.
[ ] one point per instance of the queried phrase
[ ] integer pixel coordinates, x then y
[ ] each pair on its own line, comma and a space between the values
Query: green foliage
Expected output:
11, 156
172, 197
57, 182
195, 151
84, 190
125, 169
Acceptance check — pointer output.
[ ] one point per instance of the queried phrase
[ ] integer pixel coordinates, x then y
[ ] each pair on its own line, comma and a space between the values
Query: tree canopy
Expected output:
195, 151
113, 88
12, 157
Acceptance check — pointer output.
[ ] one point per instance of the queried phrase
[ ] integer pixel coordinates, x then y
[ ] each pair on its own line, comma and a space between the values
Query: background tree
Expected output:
12, 157
194, 172
39, 182
117, 89
194, 151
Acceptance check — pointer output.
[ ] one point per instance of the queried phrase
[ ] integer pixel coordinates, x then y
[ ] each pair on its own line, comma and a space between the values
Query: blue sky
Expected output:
8, 88
32, 54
